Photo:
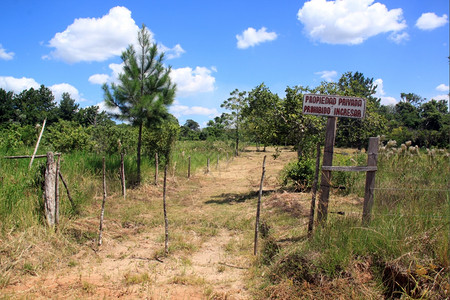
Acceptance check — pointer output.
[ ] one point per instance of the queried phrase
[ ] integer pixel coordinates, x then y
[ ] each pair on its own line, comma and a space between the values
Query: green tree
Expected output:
6, 106
91, 116
260, 114
32, 106
67, 108
190, 130
236, 103
144, 91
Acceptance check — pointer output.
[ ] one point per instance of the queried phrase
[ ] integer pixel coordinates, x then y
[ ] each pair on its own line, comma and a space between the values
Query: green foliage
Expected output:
161, 139
67, 136
14, 136
299, 173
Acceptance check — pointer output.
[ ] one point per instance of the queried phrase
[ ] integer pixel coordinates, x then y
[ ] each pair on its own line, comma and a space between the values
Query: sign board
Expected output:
334, 106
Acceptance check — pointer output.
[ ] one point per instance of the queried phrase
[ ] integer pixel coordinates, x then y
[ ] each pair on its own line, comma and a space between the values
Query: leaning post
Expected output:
372, 155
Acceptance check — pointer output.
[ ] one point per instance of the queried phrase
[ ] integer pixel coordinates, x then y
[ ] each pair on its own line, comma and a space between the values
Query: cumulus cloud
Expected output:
179, 110
252, 37
5, 55
95, 39
430, 21
190, 81
116, 69
327, 75
399, 37
17, 85
171, 53
380, 93
99, 78
60, 88
348, 22
442, 88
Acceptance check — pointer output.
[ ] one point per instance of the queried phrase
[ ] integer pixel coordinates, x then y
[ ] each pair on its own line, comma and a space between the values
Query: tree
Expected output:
144, 91
260, 114
235, 104
32, 106
67, 108
190, 130
6, 106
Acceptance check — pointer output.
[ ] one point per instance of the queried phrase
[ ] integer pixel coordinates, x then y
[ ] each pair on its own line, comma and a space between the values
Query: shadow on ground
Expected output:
230, 198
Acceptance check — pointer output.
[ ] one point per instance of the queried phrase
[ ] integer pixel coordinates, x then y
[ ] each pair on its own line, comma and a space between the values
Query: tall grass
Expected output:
406, 243
21, 197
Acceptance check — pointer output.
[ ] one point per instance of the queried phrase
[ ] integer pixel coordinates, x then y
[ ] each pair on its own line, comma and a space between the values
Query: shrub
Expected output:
299, 173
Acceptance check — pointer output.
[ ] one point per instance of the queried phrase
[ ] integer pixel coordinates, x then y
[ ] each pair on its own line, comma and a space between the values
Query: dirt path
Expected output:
211, 221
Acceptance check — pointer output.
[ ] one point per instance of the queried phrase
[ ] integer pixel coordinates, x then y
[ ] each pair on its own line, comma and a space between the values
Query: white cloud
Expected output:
95, 39
380, 93
116, 69
327, 75
348, 21
190, 81
102, 107
430, 21
5, 55
442, 88
171, 53
17, 85
441, 97
399, 37
60, 88
252, 37
179, 110
99, 78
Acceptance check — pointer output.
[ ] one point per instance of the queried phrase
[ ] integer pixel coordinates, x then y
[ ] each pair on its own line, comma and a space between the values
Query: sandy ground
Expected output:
132, 267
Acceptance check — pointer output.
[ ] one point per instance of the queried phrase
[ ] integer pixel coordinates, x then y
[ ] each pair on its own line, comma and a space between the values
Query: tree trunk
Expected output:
138, 179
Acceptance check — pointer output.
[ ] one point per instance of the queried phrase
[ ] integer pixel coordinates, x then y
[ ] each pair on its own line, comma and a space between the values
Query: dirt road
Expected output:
211, 223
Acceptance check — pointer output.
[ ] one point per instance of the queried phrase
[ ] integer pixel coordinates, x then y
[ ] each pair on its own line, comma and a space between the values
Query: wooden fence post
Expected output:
326, 175
372, 155
58, 165
258, 207
207, 166
103, 205
166, 220
37, 143
49, 190
156, 168
122, 176
314, 191
189, 167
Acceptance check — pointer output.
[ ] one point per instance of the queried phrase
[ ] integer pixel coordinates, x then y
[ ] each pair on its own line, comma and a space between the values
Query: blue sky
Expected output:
215, 47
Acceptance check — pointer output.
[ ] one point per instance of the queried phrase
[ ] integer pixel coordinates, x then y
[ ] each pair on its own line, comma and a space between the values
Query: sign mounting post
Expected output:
331, 106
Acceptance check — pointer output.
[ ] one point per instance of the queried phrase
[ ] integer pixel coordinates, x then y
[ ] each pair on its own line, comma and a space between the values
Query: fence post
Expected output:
189, 167
49, 190
122, 176
372, 155
314, 191
258, 207
156, 168
325, 181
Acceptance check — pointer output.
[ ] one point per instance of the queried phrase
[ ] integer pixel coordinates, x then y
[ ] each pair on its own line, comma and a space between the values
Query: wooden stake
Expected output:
326, 175
258, 207
207, 166
314, 191
122, 176
217, 165
103, 204
67, 189
156, 168
372, 154
37, 143
189, 167
49, 189
58, 164
166, 220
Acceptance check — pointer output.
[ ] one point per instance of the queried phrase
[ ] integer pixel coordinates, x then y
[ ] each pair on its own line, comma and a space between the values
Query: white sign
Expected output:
334, 106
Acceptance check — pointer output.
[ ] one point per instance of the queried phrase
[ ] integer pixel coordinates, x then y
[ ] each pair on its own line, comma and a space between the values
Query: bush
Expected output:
299, 173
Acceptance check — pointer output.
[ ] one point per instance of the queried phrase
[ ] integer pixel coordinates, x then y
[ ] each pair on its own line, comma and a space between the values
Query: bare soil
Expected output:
211, 223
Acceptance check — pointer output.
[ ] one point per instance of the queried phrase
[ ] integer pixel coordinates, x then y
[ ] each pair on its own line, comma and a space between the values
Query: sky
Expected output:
214, 47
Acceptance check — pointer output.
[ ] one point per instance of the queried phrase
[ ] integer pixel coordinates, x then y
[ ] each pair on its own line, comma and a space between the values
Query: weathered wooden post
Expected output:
100, 239
314, 191
122, 176
50, 190
156, 168
258, 207
207, 166
166, 220
372, 155
326, 175
189, 167
58, 165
